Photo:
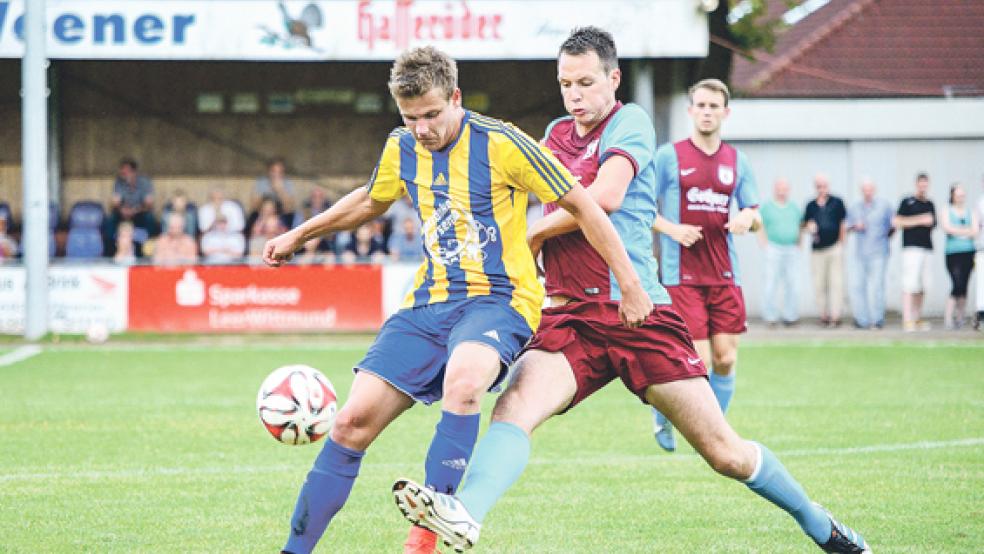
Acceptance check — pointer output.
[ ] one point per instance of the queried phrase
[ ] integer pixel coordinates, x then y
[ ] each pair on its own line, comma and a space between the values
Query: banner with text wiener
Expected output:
303, 30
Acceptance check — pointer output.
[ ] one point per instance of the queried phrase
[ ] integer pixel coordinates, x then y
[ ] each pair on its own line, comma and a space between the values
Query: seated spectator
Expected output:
267, 208
277, 187
218, 203
179, 204
133, 200
316, 202
404, 243
174, 246
221, 245
365, 247
264, 230
313, 253
8, 246
126, 252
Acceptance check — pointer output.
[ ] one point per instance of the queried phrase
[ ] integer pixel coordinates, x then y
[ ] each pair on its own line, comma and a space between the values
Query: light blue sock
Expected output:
723, 387
499, 460
450, 450
772, 482
324, 492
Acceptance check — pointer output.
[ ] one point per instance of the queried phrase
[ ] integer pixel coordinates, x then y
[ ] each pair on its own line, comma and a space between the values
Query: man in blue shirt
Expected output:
871, 222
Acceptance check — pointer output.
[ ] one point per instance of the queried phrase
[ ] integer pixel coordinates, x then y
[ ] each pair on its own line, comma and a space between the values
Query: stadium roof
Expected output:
870, 48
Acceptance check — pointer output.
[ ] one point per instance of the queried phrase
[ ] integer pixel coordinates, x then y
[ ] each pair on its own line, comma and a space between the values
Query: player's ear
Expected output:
615, 77
456, 98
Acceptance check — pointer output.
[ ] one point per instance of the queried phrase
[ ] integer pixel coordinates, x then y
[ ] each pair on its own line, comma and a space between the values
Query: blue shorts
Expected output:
412, 349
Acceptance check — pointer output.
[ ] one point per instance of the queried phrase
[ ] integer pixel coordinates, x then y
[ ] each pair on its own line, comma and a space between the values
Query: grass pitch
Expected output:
125, 448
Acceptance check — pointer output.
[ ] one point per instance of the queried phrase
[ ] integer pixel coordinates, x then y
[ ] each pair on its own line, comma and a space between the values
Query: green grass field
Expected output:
127, 448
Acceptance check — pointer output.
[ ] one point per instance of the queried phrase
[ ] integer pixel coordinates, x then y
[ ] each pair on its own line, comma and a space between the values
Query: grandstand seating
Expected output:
84, 236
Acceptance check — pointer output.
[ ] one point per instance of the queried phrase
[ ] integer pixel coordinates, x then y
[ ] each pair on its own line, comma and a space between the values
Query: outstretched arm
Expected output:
352, 210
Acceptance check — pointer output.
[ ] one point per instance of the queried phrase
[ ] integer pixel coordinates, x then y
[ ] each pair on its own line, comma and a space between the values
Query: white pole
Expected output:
35, 170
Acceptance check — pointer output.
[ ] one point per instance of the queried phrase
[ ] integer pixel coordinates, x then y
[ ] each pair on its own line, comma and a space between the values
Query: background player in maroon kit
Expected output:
698, 179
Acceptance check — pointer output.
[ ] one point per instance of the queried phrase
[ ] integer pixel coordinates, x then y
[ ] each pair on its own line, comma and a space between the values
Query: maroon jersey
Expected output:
697, 189
573, 267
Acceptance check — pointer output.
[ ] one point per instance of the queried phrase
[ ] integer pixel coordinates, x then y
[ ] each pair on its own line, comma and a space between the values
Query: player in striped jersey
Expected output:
475, 300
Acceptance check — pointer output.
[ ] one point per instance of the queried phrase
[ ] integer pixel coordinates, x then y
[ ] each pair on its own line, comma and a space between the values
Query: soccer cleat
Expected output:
843, 539
663, 430
420, 541
440, 513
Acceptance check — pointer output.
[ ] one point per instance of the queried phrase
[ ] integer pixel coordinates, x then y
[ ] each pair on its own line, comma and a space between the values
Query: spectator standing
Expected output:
870, 219
133, 200
780, 235
824, 219
174, 246
960, 225
126, 252
979, 261
222, 245
277, 187
916, 217
218, 203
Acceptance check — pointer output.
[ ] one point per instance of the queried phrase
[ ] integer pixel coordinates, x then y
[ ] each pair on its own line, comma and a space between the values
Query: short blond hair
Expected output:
417, 71
714, 85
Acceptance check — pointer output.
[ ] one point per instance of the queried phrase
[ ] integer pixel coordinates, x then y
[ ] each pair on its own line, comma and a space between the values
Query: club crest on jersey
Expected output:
591, 149
726, 174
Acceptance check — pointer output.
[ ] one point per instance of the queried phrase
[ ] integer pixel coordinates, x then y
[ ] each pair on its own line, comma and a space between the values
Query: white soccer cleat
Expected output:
441, 513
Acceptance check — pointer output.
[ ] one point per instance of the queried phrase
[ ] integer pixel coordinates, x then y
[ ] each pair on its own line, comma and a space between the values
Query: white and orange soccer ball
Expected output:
297, 404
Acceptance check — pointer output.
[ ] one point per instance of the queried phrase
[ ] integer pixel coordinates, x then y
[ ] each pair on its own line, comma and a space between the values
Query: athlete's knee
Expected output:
351, 429
463, 390
734, 459
724, 360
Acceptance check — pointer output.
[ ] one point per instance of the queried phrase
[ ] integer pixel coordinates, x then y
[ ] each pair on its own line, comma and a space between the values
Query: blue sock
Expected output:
723, 387
450, 450
772, 482
499, 460
324, 492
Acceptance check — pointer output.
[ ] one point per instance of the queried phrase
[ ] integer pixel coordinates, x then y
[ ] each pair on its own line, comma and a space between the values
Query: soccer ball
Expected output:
297, 404
97, 333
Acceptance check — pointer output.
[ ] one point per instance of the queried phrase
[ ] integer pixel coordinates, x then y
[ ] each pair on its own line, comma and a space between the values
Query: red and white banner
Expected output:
243, 298
78, 298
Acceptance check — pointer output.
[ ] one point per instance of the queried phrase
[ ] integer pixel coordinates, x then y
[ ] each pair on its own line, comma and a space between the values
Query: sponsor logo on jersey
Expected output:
706, 200
688, 171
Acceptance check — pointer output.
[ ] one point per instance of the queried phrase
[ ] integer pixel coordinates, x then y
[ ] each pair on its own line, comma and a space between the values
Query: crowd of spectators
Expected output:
872, 220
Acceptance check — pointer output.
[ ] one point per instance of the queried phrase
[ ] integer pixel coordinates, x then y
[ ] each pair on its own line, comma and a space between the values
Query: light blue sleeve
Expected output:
666, 169
747, 190
631, 134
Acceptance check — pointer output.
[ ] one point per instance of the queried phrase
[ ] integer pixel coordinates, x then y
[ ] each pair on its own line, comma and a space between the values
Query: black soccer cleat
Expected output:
843, 539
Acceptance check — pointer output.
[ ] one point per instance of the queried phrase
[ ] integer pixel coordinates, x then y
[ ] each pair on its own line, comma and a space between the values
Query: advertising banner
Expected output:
243, 298
78, 298
300, 30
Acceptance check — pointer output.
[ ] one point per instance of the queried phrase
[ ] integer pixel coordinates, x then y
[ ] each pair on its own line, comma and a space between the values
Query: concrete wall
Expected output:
888, 140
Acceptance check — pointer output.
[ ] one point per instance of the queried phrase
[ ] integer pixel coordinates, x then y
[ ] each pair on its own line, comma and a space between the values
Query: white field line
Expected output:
20, 354
152, 472
203, 347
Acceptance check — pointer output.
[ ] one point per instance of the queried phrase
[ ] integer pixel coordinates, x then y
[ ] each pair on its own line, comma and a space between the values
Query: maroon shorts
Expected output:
599, 348
710, 310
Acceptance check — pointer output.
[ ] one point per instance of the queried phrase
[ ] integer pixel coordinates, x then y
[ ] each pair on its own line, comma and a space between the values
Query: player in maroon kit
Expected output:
698, 179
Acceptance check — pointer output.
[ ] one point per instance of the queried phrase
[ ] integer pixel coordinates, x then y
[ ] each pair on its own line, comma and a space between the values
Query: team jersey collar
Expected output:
581, 142
701, 150
461, 131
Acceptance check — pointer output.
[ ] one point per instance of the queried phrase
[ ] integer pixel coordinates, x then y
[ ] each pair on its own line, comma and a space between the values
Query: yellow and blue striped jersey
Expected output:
471, 198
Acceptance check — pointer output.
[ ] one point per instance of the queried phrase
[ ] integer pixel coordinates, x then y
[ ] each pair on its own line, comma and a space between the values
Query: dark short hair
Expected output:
128, 161
275, 161
592, 39
922, 175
